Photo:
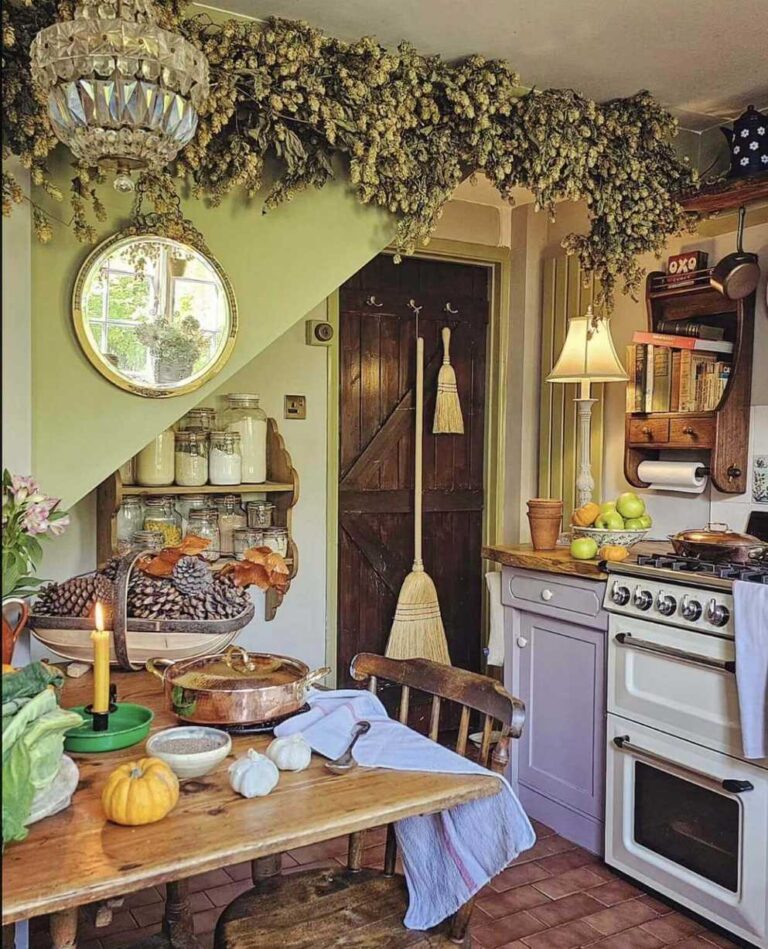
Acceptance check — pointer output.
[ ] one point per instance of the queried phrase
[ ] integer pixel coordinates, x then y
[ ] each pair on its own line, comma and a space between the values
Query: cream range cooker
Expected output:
687, 814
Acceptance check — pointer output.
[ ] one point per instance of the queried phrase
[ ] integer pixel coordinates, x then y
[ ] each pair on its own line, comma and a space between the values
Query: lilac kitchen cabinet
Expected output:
555, 632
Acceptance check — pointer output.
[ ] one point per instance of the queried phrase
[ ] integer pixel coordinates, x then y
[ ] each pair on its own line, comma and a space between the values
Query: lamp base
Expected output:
585, 483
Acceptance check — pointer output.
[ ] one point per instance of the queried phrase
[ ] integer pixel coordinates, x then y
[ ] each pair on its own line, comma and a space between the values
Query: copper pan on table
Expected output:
235, 687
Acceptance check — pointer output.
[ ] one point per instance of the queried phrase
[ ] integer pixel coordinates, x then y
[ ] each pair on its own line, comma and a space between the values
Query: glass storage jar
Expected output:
189, 502
204, 522
276, 538
129, 519
127, 471
224, 461
148, 540
243, 415
245, 538
161, 515
201, 419
260, 513
155, 462
231, 518
191, 458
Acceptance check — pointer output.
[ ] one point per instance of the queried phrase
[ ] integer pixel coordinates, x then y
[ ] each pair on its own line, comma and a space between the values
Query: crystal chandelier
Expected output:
122, 92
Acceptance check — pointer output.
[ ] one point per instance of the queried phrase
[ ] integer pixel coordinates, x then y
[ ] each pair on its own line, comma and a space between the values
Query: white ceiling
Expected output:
705, 59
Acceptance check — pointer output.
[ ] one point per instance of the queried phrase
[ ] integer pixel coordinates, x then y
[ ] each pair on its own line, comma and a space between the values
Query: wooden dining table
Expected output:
77, 857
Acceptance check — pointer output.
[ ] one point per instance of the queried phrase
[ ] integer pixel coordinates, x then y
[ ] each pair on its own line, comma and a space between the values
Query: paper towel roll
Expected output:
673, 476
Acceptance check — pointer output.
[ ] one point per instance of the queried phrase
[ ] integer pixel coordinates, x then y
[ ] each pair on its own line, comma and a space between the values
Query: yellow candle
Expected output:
100, 640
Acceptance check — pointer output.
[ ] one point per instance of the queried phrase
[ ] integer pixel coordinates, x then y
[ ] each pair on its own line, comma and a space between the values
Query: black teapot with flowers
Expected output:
748, 141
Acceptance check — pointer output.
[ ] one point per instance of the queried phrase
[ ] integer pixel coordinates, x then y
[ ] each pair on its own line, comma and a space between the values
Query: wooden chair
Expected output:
354, 906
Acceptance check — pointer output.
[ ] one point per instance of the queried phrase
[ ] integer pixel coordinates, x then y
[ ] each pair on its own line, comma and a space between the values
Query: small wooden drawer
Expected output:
696, 432
647, 431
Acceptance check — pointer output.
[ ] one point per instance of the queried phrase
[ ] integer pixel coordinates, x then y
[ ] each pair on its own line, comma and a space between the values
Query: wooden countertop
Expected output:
559, 560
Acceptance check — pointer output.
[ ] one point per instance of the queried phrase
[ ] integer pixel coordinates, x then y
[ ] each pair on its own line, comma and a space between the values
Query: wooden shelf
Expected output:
282, 486
266, 487
721, 434
727, 195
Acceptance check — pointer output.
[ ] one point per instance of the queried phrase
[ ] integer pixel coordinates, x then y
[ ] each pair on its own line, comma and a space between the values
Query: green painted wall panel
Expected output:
281, 265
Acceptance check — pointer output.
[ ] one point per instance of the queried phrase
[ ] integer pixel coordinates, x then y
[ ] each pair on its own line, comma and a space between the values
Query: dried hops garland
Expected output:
411, 127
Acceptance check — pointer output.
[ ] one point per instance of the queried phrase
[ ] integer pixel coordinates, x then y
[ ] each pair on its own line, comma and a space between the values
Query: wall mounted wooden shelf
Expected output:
282, 486
720, 435
727, 195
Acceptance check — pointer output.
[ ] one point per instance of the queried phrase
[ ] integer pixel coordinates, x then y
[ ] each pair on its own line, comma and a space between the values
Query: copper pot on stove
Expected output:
717, 543
235, 687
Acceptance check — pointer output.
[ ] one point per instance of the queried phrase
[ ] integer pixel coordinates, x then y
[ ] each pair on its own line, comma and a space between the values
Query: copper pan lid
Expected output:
236, 670
718, 534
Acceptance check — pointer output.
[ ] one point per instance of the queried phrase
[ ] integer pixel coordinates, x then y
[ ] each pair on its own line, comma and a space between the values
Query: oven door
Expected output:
677, 680
691, 823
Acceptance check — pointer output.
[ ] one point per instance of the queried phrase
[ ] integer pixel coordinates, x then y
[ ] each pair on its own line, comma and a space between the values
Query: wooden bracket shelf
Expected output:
282, 486
720, 435
727, 195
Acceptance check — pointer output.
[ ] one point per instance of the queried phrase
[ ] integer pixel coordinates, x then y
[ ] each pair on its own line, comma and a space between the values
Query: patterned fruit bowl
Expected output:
611, 538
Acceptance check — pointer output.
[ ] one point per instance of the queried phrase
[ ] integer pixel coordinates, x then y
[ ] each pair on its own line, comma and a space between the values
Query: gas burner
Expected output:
258, 728
751, 573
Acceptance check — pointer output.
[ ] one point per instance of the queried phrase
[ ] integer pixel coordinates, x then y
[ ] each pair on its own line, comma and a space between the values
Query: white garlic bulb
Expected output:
290, 754
253, 775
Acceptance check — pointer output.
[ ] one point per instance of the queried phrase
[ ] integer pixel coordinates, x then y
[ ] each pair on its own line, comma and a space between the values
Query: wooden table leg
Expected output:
262, 868
63, 927
178, 925
9, 936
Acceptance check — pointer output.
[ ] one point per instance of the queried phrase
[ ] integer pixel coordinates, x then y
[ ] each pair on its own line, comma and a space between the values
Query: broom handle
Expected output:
417, 561
446, 334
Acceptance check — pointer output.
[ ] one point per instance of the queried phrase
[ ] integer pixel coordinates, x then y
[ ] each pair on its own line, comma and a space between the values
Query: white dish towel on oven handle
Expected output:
750, 624
448, 856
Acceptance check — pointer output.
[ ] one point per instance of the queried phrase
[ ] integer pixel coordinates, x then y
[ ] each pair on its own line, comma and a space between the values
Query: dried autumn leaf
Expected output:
158, 567
275, 563
258, 554
192, 545
279, 581
251, 574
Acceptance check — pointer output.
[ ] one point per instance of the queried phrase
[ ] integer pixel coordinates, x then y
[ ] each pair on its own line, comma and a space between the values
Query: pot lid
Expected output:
719, 534
236, 670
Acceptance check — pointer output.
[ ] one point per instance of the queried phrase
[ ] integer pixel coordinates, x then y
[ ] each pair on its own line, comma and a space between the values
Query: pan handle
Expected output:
316, 676
740, 230
151, 666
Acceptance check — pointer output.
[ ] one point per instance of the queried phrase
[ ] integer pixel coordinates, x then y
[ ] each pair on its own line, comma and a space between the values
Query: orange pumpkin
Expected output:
613, 552
586, 515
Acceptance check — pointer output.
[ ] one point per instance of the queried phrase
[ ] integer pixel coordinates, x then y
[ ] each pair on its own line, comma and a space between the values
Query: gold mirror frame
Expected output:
98, 360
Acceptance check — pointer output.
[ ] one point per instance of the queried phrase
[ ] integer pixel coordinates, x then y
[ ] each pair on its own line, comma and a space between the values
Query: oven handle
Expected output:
732, 785
627, 639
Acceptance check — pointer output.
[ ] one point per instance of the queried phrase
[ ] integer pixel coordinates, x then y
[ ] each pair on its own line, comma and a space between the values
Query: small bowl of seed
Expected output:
190, 751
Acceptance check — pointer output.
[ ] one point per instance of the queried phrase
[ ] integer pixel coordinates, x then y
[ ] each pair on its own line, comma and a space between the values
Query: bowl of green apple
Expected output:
620, 523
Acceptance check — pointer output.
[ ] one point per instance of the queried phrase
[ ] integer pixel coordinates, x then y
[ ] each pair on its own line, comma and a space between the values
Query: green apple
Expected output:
646, 521
630, 505
633, 524
607, 506
583, 548
612, 521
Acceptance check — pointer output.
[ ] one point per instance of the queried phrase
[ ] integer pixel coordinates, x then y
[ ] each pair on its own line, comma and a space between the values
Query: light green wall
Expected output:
281, 266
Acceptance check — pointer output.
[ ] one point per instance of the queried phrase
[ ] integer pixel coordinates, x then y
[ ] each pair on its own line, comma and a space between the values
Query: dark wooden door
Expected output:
377, 377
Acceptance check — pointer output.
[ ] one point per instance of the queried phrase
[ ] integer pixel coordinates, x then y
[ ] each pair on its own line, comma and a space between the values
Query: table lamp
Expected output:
588, 355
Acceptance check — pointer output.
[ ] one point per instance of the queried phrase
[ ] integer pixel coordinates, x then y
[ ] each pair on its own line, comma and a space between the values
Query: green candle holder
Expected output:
125, 724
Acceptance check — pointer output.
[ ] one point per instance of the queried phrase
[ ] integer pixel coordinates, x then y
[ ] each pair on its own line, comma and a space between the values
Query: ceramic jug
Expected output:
15, 615
748, 142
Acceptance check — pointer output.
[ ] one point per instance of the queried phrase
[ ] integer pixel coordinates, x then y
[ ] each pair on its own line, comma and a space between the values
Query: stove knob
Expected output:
717, 614
690, 609
666, 604
642, 599
620, 594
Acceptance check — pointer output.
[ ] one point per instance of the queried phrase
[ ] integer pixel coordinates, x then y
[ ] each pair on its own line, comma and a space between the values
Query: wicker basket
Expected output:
133, 641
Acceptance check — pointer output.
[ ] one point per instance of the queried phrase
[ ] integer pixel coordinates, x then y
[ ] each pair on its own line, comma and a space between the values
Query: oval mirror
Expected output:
154, 316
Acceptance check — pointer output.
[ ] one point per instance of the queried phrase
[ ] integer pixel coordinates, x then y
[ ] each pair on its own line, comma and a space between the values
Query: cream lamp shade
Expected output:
588, 353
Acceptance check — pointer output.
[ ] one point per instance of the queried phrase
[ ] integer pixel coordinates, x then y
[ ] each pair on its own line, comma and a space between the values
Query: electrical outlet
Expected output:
295, 406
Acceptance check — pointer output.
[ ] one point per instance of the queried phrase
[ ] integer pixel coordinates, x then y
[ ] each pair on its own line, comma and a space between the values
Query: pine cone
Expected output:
74, 597
219, 602
191, 576
109, 570
149, 598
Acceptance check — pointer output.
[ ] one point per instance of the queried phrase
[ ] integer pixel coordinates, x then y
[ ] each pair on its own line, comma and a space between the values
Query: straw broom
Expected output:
448, 419
417, 629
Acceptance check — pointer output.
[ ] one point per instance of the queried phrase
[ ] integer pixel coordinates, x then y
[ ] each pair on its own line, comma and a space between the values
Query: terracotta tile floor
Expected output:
555, 896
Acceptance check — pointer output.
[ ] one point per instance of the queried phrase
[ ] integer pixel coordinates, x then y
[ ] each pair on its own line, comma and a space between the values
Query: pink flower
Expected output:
58, 527
35, 520
22, 486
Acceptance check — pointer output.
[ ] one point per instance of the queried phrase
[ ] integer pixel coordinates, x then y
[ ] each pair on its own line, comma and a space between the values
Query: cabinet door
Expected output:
562, 682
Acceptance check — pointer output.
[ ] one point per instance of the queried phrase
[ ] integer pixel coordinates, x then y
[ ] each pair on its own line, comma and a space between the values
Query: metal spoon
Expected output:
346, 761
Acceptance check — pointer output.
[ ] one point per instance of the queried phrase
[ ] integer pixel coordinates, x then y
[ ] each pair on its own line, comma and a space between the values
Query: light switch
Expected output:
295, 406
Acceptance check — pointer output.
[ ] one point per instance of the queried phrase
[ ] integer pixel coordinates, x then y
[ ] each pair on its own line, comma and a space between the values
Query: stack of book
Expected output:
676, 373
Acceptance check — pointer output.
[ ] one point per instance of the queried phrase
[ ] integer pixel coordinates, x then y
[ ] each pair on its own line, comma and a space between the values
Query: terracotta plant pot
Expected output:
545, 516
15, 615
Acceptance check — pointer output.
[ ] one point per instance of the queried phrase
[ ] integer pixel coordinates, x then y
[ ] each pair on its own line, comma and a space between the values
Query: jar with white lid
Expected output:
200, 419
245, 538
191, 458
204, 522
231, 518
160, 515
155, 462
224, 460
244, 416
129, 520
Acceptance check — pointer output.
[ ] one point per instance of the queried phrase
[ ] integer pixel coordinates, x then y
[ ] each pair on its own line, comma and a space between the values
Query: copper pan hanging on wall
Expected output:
737, 274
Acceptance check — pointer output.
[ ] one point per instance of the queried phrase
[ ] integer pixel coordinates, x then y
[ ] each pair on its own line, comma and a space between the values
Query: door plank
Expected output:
388, 565
401, 501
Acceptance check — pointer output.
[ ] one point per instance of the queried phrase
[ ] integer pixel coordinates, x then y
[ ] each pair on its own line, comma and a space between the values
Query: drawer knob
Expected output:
645, 430
547, 595
688, 430
522, 642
